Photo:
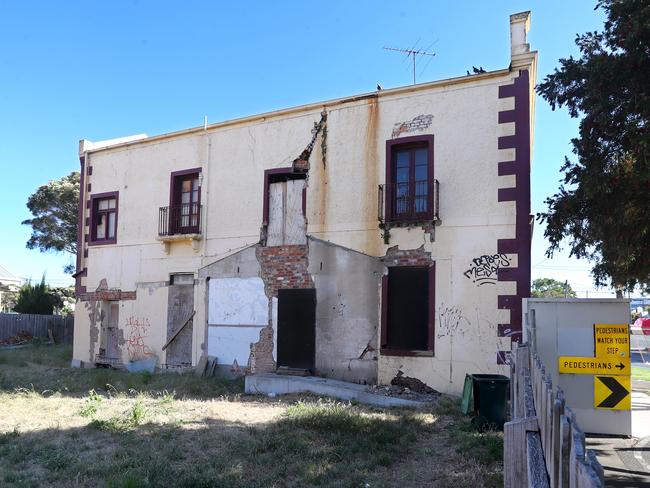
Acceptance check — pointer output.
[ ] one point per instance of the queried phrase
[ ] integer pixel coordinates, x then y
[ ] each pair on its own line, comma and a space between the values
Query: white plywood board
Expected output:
230, 344
237, 301
275, 230
294, 220
287, 224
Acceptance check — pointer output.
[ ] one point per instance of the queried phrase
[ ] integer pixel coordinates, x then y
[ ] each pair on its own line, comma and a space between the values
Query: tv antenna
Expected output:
411, 52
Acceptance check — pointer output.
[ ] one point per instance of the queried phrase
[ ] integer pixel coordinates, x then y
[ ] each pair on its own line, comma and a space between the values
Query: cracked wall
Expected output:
347, 311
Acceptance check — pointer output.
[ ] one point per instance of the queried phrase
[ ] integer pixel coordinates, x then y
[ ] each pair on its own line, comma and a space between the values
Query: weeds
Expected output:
446, 405
485, 447
137, 414
163, 429
130, 419
91, 404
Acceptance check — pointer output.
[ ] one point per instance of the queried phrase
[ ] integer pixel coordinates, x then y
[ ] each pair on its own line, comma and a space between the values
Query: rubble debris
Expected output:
22, 337
402, 392
412, 384
210, 367
200, 366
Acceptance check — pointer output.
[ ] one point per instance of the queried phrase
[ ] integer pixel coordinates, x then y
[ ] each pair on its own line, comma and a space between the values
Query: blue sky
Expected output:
99, 70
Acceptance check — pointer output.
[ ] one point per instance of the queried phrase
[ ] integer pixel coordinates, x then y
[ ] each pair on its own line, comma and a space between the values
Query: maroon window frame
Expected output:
392, 193
94, 215
182, 219
431, 316
273, 176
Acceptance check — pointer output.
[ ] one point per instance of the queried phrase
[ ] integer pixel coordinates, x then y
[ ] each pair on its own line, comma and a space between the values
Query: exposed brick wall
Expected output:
281, 267
418, 123
261, 358
407, 257
106, 295
284, 267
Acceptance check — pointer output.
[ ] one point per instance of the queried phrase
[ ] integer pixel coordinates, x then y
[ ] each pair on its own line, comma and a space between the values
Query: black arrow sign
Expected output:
620, 366
618, 392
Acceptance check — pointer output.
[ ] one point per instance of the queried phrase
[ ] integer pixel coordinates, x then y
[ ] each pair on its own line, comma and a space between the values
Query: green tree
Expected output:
35, 299
550, 288
8, 297
54, 207
603, 204
64, 299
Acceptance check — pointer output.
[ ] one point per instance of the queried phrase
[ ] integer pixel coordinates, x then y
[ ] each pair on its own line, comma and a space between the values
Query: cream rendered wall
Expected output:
341, 208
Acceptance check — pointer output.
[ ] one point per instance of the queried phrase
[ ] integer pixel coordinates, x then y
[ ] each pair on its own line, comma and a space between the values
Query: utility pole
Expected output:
411, 52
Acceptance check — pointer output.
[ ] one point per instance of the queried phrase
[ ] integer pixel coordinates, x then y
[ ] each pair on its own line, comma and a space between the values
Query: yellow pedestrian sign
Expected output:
612, 353
612, 341
581, 365
612, 392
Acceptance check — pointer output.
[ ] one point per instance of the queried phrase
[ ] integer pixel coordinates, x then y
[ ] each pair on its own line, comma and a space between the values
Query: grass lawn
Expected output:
86, 428
641, 373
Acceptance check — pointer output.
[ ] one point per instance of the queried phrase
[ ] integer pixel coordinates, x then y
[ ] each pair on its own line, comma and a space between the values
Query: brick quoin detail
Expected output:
282, 267
520, 194
407, 257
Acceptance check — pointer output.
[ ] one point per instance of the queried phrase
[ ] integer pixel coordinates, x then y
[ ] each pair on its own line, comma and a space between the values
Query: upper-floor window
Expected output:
183, 216
103, 218
409, 179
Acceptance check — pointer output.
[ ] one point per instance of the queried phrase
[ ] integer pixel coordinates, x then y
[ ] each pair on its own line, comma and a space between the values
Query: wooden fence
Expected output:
62, 327
543, 444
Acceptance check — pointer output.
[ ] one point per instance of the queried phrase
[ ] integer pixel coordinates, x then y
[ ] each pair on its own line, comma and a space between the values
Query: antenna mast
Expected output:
411, 52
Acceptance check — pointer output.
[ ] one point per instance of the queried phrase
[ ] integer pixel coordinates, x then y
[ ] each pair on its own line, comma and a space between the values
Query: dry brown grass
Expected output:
175, 430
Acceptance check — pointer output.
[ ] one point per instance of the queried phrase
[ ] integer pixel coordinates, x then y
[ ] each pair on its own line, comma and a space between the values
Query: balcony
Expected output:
180, 223
409, 203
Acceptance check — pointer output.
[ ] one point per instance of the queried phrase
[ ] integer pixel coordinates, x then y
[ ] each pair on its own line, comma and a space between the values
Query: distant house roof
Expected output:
8, 278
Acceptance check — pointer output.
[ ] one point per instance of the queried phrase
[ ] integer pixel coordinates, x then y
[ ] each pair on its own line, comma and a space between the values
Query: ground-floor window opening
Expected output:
408, 309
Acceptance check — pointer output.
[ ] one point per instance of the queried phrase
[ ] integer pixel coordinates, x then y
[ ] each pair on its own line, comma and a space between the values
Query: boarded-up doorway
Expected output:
108, 340
296, 328
287, 225
180, 305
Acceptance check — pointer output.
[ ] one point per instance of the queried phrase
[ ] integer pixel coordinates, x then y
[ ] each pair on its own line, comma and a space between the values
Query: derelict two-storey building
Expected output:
351, 238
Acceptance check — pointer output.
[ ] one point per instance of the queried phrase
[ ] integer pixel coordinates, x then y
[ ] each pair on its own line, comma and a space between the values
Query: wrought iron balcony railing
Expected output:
412, 201
179, 219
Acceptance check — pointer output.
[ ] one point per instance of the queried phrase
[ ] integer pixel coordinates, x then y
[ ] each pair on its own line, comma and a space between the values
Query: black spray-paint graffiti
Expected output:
452, 323
484, 269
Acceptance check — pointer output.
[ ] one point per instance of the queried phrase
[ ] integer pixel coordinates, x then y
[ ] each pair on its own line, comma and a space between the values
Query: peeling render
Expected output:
416, 124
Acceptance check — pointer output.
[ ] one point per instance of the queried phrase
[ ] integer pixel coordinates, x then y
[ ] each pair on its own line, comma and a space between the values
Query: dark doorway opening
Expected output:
408, 311
297, 328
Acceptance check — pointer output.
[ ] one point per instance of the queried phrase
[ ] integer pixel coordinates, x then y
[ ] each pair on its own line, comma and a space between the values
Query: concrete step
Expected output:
281, 385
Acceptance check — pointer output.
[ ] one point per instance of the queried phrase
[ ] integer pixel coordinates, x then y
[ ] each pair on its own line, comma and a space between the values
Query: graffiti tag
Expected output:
484, 269
451, 321
135, 344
